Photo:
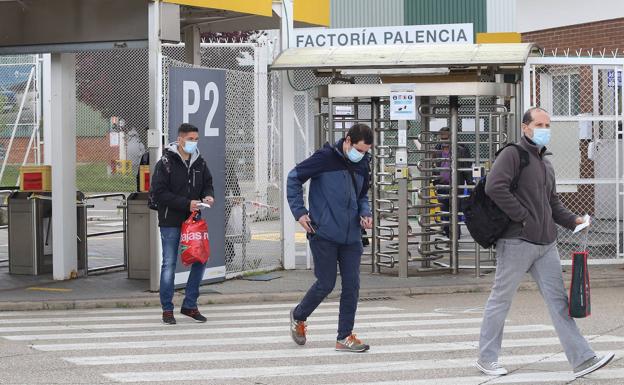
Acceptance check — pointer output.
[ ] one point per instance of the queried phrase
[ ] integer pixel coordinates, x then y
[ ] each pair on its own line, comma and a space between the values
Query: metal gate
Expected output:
416, 209
584, 98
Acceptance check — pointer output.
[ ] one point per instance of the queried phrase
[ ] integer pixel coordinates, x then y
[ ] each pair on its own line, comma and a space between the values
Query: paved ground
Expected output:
424, 340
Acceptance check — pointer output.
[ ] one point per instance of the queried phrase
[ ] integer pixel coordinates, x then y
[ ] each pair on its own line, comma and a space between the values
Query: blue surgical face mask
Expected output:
541, 136
190, 146
354, 155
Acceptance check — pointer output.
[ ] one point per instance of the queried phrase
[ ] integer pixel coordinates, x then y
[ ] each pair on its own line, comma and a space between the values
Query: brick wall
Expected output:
599, 35
88, 150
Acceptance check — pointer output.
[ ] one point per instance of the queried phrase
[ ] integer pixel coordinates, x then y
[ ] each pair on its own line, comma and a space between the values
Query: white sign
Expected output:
468, 125
402, 105
406, 34
113, 138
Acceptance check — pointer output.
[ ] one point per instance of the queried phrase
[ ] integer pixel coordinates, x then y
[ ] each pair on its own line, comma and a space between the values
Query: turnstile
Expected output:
30, 233
407, 194
138, 236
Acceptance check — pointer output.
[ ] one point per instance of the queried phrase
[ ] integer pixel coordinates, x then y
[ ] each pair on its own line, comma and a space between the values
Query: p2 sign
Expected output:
197, 96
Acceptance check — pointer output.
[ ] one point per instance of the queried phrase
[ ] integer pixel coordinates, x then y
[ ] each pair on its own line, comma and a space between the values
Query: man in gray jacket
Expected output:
529, 245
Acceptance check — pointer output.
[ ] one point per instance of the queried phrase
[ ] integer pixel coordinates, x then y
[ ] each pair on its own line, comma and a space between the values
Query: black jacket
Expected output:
174, 185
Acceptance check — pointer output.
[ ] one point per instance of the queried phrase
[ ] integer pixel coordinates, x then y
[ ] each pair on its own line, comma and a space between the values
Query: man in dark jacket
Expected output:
181, 181
339, 209
529, 245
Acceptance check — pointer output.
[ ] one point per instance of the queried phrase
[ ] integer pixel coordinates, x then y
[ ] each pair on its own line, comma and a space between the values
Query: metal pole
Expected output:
453, 106
330, 122
375, 106
477, 164
155, 124
17, 120
403, 229
426, 192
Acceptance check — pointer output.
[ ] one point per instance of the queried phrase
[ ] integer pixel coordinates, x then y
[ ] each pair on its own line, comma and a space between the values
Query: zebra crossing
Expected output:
242, 344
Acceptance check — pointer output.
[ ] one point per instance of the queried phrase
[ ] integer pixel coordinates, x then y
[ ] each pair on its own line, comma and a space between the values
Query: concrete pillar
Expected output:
287, 137
192, 45
63, 121
155, 130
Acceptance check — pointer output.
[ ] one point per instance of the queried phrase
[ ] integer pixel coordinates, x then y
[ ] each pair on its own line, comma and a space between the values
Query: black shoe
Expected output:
194, 314
168, 318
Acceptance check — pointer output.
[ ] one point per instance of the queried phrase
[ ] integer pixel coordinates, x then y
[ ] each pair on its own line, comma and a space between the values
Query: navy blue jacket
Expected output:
335, 204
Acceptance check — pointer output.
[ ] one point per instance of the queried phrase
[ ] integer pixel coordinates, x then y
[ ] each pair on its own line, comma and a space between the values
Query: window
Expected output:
566, 95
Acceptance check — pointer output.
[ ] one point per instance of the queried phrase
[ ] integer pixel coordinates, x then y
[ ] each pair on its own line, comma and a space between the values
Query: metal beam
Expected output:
287, 138
155, 126
63, 122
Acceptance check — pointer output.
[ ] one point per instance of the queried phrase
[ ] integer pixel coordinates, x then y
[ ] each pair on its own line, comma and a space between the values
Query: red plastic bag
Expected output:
194, 242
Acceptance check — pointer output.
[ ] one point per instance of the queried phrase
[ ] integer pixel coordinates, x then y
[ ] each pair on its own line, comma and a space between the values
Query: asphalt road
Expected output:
422, 340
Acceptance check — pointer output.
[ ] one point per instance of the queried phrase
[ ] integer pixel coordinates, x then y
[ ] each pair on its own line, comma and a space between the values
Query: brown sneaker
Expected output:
194, 314
168, 318
351, 344
297, 330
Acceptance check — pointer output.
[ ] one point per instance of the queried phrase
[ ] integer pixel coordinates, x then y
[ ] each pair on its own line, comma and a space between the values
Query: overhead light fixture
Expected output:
397, 71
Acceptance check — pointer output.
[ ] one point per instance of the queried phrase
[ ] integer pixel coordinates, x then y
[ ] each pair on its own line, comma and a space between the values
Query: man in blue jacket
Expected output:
339, 209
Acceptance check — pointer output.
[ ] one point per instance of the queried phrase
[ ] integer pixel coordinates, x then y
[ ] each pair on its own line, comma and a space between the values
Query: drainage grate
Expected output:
371, 299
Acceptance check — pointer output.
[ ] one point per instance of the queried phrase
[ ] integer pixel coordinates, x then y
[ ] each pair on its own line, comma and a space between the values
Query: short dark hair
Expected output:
185, 128
527, 118
359, 132
445, 129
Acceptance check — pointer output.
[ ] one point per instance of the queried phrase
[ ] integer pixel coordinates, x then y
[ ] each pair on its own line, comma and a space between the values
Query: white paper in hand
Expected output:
583, 225
204, 205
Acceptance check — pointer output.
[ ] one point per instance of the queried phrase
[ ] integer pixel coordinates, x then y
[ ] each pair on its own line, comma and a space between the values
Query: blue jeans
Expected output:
170, 237
327, 255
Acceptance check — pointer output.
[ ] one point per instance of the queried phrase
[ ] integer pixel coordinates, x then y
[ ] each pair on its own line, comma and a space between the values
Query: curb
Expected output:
212, 299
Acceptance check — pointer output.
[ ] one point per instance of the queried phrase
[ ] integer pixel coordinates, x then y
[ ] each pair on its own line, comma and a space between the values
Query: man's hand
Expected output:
581, 220
366, 222
306, 223
209, 200
194, 205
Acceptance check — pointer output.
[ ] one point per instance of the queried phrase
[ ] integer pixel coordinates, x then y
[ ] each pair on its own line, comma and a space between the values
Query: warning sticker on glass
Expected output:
402, 105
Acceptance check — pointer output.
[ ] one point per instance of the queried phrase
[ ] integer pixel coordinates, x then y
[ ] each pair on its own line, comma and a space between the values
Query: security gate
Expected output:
584, 98
412, 203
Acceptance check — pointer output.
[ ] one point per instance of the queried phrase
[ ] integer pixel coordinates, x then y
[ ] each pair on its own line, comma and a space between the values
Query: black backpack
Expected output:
151, 199
486, 222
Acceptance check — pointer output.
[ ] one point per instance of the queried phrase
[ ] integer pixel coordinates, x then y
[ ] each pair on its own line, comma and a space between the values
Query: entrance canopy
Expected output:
404, 56
44, 26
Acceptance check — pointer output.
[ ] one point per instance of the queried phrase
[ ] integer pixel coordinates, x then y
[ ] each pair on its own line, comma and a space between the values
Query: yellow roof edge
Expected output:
255, 7
314, 12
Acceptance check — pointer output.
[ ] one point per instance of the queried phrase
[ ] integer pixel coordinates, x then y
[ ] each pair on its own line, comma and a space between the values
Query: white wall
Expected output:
535, 15
501, 16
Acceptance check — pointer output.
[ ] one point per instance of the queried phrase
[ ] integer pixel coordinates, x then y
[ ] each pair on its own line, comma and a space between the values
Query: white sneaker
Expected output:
592, 365
491, 368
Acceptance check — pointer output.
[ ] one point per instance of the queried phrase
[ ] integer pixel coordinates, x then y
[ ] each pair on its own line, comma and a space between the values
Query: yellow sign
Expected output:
498, 37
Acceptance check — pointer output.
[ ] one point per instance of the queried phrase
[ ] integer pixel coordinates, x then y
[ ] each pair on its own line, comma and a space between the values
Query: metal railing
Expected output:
5, 205
124, 207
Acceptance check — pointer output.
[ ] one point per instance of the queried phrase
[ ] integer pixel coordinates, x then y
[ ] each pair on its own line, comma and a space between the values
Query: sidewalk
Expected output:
115, 290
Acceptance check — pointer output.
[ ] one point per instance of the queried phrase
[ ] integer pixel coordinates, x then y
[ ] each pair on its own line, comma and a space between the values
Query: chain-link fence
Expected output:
585, 103
19, 115
252, 152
